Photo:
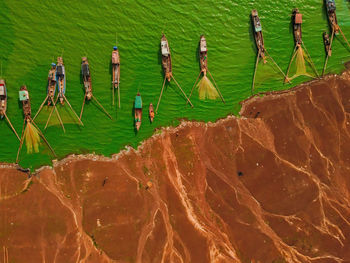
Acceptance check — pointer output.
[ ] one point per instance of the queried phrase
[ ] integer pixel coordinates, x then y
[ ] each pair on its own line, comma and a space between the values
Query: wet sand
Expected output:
270, 186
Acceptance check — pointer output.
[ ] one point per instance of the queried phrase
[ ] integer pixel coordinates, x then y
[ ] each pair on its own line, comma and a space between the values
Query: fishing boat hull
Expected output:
297, 22
51, 87
203, 55
116, 68
138, 111
3, 98
151, 112
166, 58
258, 35
61, 79
332, 16
327, 44
85, 70
24, 98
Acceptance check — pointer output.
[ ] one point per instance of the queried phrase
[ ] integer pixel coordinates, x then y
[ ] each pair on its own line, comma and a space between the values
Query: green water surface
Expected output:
34, 33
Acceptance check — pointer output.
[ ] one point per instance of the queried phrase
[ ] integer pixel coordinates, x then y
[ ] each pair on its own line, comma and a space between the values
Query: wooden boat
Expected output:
203, 63
138, 111
3, 105
116, 72
258, 35
167, 68
27, 112
297, 20
51, 87
85, 72
327, 44
332, 17
166, 58
61, 79
151, 112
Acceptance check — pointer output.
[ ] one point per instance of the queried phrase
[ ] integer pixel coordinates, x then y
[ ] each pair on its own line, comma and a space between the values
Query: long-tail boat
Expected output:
327, 44
332, 16
167, 68
27, 112
85, 72
50, 97
203, 63
116, 72
138, 111
259, 41
151, 112
3, 105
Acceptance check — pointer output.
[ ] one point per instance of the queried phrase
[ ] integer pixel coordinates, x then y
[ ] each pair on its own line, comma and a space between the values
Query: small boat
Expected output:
24, 98
61, 79
259, 39
29, 124
166, 58
167, 68
151, 112
203, 54
50, 97
116, 72
85, 72
3, 105
297, 20
332, 17
327, 44
138, 111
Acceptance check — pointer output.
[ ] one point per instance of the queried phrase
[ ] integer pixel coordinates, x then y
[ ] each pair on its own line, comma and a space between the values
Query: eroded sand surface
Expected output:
272, 186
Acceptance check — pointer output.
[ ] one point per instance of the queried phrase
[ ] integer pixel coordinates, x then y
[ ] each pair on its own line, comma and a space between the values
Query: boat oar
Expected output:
216, 87
8, 120
290, 63
82, 107
73, 110
42, 136
161, 93
255, 69
182, 91
330, 46
48, 119
277, 65
21, 141
41, 106
102, 107
194, 85
311, 63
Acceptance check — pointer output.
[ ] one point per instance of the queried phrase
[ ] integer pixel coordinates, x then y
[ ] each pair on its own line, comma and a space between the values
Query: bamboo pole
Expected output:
82, 108
102, 107
8, 120
161, 93
276, 65
255, 69
222, 98
42, 135
182, 91
194, 85
48, 119
41, 106
311, 63
58, 115
330, 47
290, 63
21, 141
344, 37
72, 110
113, 87
118, 95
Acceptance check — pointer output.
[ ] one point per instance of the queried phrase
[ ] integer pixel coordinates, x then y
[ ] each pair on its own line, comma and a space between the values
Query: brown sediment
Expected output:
270, 186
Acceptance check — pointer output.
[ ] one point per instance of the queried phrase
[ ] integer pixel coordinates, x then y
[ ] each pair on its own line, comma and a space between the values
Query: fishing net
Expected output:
267, 74
300, 65
66, 114
32, 138
206, 89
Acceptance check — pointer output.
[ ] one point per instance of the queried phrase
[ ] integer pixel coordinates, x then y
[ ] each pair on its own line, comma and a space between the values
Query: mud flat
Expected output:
270, 186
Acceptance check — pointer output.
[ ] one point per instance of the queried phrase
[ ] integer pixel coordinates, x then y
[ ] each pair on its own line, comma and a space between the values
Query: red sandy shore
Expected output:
271, 186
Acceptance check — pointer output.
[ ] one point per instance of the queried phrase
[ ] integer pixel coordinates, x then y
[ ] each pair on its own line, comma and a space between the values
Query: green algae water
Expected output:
34, 33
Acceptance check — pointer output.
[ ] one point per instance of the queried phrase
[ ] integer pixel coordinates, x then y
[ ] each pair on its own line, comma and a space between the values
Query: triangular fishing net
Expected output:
301, 65
267, 74
32, 138
65, 112
206, 89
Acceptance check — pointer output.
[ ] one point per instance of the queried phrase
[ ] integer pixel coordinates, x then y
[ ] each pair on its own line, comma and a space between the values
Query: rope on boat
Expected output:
161, 93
